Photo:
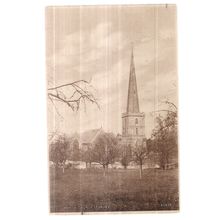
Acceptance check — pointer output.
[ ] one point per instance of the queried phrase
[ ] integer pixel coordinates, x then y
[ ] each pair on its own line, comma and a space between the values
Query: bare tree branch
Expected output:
165, 110
55, 107
78, 94
68, 84
172, 104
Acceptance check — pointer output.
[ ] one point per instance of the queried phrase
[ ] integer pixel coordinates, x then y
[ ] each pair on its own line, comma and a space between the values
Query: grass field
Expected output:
120, 190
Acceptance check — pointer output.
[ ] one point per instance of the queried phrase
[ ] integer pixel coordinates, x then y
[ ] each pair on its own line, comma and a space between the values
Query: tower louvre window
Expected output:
136, 121
136, 131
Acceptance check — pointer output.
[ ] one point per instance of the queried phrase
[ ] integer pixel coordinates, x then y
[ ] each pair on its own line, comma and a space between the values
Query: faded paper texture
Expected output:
112, 108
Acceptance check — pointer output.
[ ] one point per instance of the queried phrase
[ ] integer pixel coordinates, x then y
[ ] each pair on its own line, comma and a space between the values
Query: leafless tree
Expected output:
140, 153
125, 155
75, 153
87, 155
59, 151
72, 94
164, 134
105, 150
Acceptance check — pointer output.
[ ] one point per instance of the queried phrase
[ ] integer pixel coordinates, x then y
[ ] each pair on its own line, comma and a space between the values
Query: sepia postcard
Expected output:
112, 96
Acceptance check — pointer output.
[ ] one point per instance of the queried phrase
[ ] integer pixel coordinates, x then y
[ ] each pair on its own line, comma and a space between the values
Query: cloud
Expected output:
101, 52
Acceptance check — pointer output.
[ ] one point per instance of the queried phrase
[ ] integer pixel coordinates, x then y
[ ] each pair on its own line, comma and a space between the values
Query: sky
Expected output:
94, 43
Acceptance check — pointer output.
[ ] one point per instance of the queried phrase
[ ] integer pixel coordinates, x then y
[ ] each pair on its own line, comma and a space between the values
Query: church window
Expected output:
136, 121
136, 131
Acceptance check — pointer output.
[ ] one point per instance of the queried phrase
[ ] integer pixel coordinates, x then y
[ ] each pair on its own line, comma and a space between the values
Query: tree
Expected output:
75, 156
105, 150
140, 153
125, 155
59, 151
72, 94
87, 155
164, 134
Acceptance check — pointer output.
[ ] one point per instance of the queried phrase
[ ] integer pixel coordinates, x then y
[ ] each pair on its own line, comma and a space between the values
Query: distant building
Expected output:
133, 121
88, 138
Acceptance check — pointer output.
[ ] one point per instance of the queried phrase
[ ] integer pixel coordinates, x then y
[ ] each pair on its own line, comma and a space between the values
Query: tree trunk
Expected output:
163, 161
63, 168
104, 174
141, 172
167, 160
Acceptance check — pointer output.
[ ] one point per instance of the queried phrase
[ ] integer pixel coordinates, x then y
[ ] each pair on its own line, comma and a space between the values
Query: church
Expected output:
133, 120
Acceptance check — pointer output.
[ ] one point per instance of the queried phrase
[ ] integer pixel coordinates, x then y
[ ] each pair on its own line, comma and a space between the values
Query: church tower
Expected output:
133, 121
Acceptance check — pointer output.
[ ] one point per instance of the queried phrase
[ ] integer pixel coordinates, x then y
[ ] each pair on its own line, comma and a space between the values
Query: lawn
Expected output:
120, 190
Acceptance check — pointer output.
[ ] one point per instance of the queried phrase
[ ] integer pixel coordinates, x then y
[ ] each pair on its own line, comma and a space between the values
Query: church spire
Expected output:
132, 102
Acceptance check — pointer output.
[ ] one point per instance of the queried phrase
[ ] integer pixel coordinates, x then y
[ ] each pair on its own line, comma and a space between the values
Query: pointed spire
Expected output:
132, 102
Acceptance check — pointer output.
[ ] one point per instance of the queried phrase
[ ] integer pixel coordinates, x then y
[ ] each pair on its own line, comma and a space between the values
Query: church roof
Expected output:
90, 135
132, 101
